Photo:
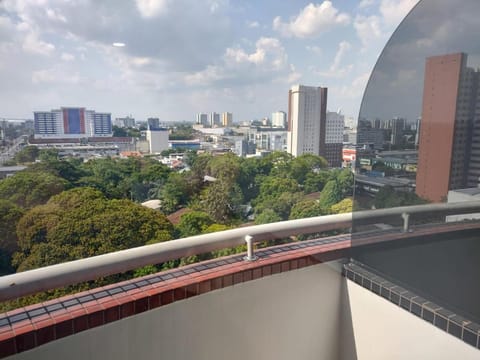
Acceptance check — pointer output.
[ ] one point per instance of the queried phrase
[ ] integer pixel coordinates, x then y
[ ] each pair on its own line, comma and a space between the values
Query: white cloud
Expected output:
268, 62
351, 93
253, 24
152, 8
366, 3
312, 21
67, 57
317, 50
33, 44
141, 61
269, 51
294, 75
55, 15
368, 29
55, 76
336, 69
393, 11
343, 48
205, 77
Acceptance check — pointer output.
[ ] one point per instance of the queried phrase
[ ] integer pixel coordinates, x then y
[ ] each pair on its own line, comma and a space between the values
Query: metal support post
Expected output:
250, 254
406, 218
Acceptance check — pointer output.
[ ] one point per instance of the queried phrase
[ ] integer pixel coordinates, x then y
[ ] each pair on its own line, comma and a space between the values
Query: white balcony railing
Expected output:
55, 276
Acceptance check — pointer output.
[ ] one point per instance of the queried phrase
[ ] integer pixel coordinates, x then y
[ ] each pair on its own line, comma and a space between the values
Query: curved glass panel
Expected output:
419, 143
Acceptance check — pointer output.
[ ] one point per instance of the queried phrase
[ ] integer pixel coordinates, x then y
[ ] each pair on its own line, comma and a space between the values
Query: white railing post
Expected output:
250, 254
406, 218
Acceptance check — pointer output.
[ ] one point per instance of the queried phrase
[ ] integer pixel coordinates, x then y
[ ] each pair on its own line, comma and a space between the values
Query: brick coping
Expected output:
444, 319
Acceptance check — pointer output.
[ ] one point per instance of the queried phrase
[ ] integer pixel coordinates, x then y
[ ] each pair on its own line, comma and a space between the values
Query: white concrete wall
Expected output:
292, 315
383, 330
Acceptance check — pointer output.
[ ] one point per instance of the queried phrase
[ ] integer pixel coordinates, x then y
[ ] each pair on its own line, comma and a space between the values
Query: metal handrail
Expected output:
69, 273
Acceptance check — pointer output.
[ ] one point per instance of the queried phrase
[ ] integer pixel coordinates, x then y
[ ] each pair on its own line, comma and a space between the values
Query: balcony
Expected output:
306, 299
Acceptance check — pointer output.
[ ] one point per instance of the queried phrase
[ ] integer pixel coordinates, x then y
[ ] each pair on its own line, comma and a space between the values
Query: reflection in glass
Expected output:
416, 129
419, 142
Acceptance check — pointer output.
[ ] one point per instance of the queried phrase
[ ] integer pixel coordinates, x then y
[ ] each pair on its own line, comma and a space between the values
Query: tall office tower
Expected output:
398, 128
447, 157
279, 119
100, 124
417, 131
125, 122
201, 119
376, 123
153, 123
214, 119
334, 138
307, 112
48, 123
227, 119
71, 123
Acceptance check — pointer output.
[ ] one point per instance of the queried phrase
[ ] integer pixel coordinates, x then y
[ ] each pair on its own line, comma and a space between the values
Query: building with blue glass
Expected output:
72, 122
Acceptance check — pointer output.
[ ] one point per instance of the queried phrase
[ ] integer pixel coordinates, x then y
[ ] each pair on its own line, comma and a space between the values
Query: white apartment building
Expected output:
279, 119
201, 119
214, 119
334, 127
227, 119
157, 140
306, 120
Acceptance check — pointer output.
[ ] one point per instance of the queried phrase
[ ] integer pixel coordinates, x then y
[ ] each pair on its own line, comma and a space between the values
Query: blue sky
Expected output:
187, 56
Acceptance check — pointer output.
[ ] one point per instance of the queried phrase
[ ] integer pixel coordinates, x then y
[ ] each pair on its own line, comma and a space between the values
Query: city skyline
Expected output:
178, 60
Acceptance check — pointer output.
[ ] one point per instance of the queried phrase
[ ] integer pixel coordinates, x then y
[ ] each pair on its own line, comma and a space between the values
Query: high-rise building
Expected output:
227, 119
334, 138
201, 119
125, 122
447, 159
157, 140
214, 119
100, 124
279, 119
153, 123
270, 139
68, 122
417, 130
398, 128
307, 113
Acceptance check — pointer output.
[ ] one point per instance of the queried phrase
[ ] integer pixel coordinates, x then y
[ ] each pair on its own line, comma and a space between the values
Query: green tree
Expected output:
272, 187
344, 206
252, 171
315, 181
331, 194
303, 165
175, 193
68, 170
305, 209
81, 223
387, 197
48, 155
221, 200
281, 204
266, 217
345, 181
27, 155
193, 223
10, 214
27, 189
225, 167
280, 162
